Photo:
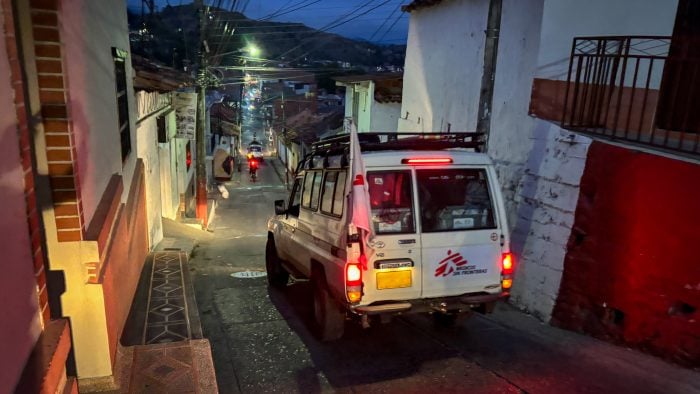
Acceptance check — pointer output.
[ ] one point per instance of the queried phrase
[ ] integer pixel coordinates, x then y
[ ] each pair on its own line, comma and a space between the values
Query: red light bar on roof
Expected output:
427, 161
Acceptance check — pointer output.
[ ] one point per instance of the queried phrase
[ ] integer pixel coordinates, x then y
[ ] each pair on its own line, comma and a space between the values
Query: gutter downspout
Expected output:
493, 28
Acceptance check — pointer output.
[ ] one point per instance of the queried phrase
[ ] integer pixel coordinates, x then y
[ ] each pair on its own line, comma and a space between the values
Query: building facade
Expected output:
591, 105
83, 184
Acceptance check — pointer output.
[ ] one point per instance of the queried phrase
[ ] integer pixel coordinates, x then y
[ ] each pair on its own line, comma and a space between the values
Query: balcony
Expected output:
640, 89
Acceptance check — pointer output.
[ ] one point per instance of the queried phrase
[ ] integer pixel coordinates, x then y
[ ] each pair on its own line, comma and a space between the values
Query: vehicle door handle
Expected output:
406, 241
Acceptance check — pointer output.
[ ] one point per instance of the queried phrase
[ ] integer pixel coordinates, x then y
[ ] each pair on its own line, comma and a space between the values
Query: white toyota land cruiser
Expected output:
441, 240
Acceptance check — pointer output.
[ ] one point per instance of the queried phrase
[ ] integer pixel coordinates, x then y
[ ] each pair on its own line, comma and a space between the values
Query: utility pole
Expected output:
284, 143
483, 123
201, 166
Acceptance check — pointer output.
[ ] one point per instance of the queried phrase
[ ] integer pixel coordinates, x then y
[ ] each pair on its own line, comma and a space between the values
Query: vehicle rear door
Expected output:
394, 268
459, 231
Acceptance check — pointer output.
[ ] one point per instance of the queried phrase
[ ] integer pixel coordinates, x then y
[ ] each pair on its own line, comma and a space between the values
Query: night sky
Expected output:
372, 25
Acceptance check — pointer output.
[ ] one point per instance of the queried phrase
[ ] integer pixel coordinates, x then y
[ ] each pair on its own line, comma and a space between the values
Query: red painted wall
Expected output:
125, 259
632, 270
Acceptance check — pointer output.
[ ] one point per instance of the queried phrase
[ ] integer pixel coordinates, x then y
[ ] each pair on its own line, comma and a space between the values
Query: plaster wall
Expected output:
148, 151
385, 116
444, 63
89, 30
545, 215
21, 324
565, 19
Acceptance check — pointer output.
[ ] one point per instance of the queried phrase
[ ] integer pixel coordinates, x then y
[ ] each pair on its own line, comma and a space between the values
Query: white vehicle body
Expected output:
447, 261
255, 151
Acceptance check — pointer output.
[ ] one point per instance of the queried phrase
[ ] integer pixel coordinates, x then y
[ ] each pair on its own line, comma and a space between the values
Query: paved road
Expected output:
261, 340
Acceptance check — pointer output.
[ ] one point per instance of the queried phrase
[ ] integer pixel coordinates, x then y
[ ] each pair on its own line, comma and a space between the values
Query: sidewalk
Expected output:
278, 166
164, 351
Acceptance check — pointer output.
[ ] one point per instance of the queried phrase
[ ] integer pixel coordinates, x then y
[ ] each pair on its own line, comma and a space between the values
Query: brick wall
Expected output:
60, 140
631, 273
26, 154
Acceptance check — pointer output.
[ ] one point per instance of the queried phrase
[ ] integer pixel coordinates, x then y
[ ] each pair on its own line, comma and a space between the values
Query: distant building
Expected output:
373, 101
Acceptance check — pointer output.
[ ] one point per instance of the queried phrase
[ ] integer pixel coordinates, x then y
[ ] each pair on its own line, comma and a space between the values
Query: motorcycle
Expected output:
253, 169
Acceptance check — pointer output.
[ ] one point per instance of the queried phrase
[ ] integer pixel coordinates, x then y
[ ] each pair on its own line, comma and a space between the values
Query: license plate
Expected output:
394, 279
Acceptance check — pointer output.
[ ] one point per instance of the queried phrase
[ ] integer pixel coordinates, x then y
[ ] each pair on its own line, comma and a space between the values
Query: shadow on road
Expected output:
384, 352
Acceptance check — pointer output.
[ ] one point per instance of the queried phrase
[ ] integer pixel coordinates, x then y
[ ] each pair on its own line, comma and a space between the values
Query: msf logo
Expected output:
448, 265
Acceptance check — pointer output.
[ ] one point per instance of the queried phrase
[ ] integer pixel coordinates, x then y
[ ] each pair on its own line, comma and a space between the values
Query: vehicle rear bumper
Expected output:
443, 304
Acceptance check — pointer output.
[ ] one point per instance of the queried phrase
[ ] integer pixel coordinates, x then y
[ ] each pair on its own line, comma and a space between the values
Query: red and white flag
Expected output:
361, 211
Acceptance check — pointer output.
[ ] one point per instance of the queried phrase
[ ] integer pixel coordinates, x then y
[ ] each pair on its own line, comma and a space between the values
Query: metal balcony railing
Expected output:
639, 89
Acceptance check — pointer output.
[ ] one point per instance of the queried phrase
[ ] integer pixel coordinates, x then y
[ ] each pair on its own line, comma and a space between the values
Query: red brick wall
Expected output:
125, 258
60, 141
632, 272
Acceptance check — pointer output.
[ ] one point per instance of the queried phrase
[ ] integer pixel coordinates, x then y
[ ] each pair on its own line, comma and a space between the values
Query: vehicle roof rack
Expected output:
404, 141
339, 145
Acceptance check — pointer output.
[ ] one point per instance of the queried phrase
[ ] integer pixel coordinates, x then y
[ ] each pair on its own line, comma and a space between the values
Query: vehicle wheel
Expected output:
329, 318
277, 276
445, 319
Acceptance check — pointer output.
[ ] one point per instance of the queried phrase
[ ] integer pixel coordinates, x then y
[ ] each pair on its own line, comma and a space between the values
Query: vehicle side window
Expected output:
328, 188
295, 198
308, 184
316, 191
332, 198
339, 196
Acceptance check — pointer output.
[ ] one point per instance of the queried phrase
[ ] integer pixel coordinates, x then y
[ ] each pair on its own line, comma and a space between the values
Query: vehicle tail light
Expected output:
353, 282
507, 271
507, 267
427, 161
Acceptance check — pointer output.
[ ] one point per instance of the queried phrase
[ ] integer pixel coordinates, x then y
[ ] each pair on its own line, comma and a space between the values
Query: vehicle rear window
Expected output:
391, 201
454, 200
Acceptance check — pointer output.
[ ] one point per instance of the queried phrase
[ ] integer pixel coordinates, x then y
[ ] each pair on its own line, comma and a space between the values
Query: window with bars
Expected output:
119, 57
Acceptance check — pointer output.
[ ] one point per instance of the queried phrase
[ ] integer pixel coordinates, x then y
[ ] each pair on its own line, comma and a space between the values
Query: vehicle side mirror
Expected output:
280, 208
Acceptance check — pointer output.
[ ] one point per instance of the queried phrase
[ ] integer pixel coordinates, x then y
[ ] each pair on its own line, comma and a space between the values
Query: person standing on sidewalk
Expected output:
224, 164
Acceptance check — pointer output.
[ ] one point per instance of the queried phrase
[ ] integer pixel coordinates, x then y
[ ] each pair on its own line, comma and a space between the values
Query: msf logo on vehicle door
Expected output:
455, 264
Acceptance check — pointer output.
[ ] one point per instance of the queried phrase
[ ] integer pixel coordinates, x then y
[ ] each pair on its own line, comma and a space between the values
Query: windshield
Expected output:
456, 199
391, 202
254, 149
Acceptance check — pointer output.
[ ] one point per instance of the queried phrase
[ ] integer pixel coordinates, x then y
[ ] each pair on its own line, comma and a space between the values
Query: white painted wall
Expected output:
21, 324
372, 116
148, 150
89, 30
442, 73
385, 116
442, 78
167, 153
545, 215
565, 19
511, 127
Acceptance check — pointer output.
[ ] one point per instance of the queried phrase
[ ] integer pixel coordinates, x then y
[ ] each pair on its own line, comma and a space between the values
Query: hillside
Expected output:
172, 39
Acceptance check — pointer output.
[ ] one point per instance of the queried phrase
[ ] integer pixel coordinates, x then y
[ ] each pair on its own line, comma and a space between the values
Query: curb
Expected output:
279, 174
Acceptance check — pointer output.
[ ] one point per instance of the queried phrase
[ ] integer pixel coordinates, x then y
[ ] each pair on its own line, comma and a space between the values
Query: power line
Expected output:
391, 27
384, 23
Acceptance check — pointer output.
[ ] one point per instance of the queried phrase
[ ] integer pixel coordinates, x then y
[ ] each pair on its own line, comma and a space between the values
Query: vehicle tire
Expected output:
277, 276
329, 318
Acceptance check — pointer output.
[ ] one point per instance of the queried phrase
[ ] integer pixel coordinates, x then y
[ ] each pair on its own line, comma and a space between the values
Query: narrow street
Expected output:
261, 341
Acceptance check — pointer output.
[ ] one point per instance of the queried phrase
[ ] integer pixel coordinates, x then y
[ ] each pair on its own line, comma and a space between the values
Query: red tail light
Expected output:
427, 161
507, 264
507, 271
353, 281
353, 275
